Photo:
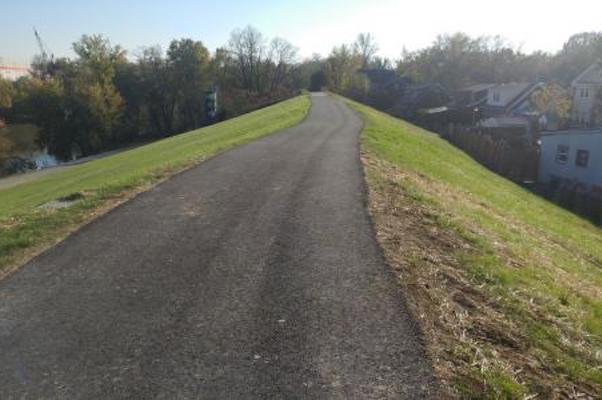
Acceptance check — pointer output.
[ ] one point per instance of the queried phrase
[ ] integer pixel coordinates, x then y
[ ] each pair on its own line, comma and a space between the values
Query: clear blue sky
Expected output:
313, 26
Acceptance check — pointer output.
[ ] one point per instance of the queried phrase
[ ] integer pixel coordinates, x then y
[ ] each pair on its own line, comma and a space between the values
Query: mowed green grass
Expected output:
23, 224
541, 264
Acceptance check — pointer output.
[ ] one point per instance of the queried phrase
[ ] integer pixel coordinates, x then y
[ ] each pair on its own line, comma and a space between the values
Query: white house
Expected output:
574, 155
585, 88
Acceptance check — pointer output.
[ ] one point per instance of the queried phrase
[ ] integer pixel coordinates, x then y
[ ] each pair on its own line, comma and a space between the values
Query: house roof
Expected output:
593, 74
573, 132
515, 92
524, 95
512, 90
479, 87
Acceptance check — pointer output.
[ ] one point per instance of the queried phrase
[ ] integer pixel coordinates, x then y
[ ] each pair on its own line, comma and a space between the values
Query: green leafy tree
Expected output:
189, 61
98, 58
342, 72
47, 103
7, 92
160, 96
79, 106
93, 93
6, 146
135, 121
340, 67
309, 74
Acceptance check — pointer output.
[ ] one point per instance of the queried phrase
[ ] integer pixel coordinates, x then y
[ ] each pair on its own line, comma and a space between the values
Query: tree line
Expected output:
458, 60
102, 98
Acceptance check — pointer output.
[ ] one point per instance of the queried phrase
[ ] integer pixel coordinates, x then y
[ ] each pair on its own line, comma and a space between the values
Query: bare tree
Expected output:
366, 47
282, 56
248, 49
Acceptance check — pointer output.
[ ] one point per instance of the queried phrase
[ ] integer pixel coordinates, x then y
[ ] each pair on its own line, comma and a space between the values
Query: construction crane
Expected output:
43, 49
45, 62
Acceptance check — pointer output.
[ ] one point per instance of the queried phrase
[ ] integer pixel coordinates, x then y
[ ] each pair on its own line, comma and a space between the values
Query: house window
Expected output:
562, 154
587, 92
582, 158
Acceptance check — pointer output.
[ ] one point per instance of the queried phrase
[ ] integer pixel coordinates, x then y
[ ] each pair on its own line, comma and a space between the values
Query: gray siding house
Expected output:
574, 155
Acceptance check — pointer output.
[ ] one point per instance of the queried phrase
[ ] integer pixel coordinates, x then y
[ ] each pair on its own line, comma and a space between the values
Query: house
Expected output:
498, 99
506, 105
509, 105
572, 156
585, 89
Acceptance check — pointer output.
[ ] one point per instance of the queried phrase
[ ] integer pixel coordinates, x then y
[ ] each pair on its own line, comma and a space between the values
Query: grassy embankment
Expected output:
26, 228
507, 286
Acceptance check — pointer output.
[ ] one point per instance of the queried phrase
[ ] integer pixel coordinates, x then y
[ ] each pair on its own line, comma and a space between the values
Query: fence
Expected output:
575, 196
506, 151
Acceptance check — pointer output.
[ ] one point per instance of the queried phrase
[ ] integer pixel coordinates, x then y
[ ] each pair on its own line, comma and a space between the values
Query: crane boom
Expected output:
41, 45
44, 64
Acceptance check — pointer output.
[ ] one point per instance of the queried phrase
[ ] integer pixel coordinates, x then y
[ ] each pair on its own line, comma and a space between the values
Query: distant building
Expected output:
12, 72
572, 155
585, 89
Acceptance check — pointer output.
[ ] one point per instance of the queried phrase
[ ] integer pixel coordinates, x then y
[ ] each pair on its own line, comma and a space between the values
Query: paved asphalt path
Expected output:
255, 275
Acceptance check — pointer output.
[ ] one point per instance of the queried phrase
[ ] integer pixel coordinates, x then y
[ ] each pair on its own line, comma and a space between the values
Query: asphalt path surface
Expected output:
255, 275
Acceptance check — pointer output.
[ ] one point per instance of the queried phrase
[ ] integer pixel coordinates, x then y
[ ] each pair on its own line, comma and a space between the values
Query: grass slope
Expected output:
25, 226
507, 286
